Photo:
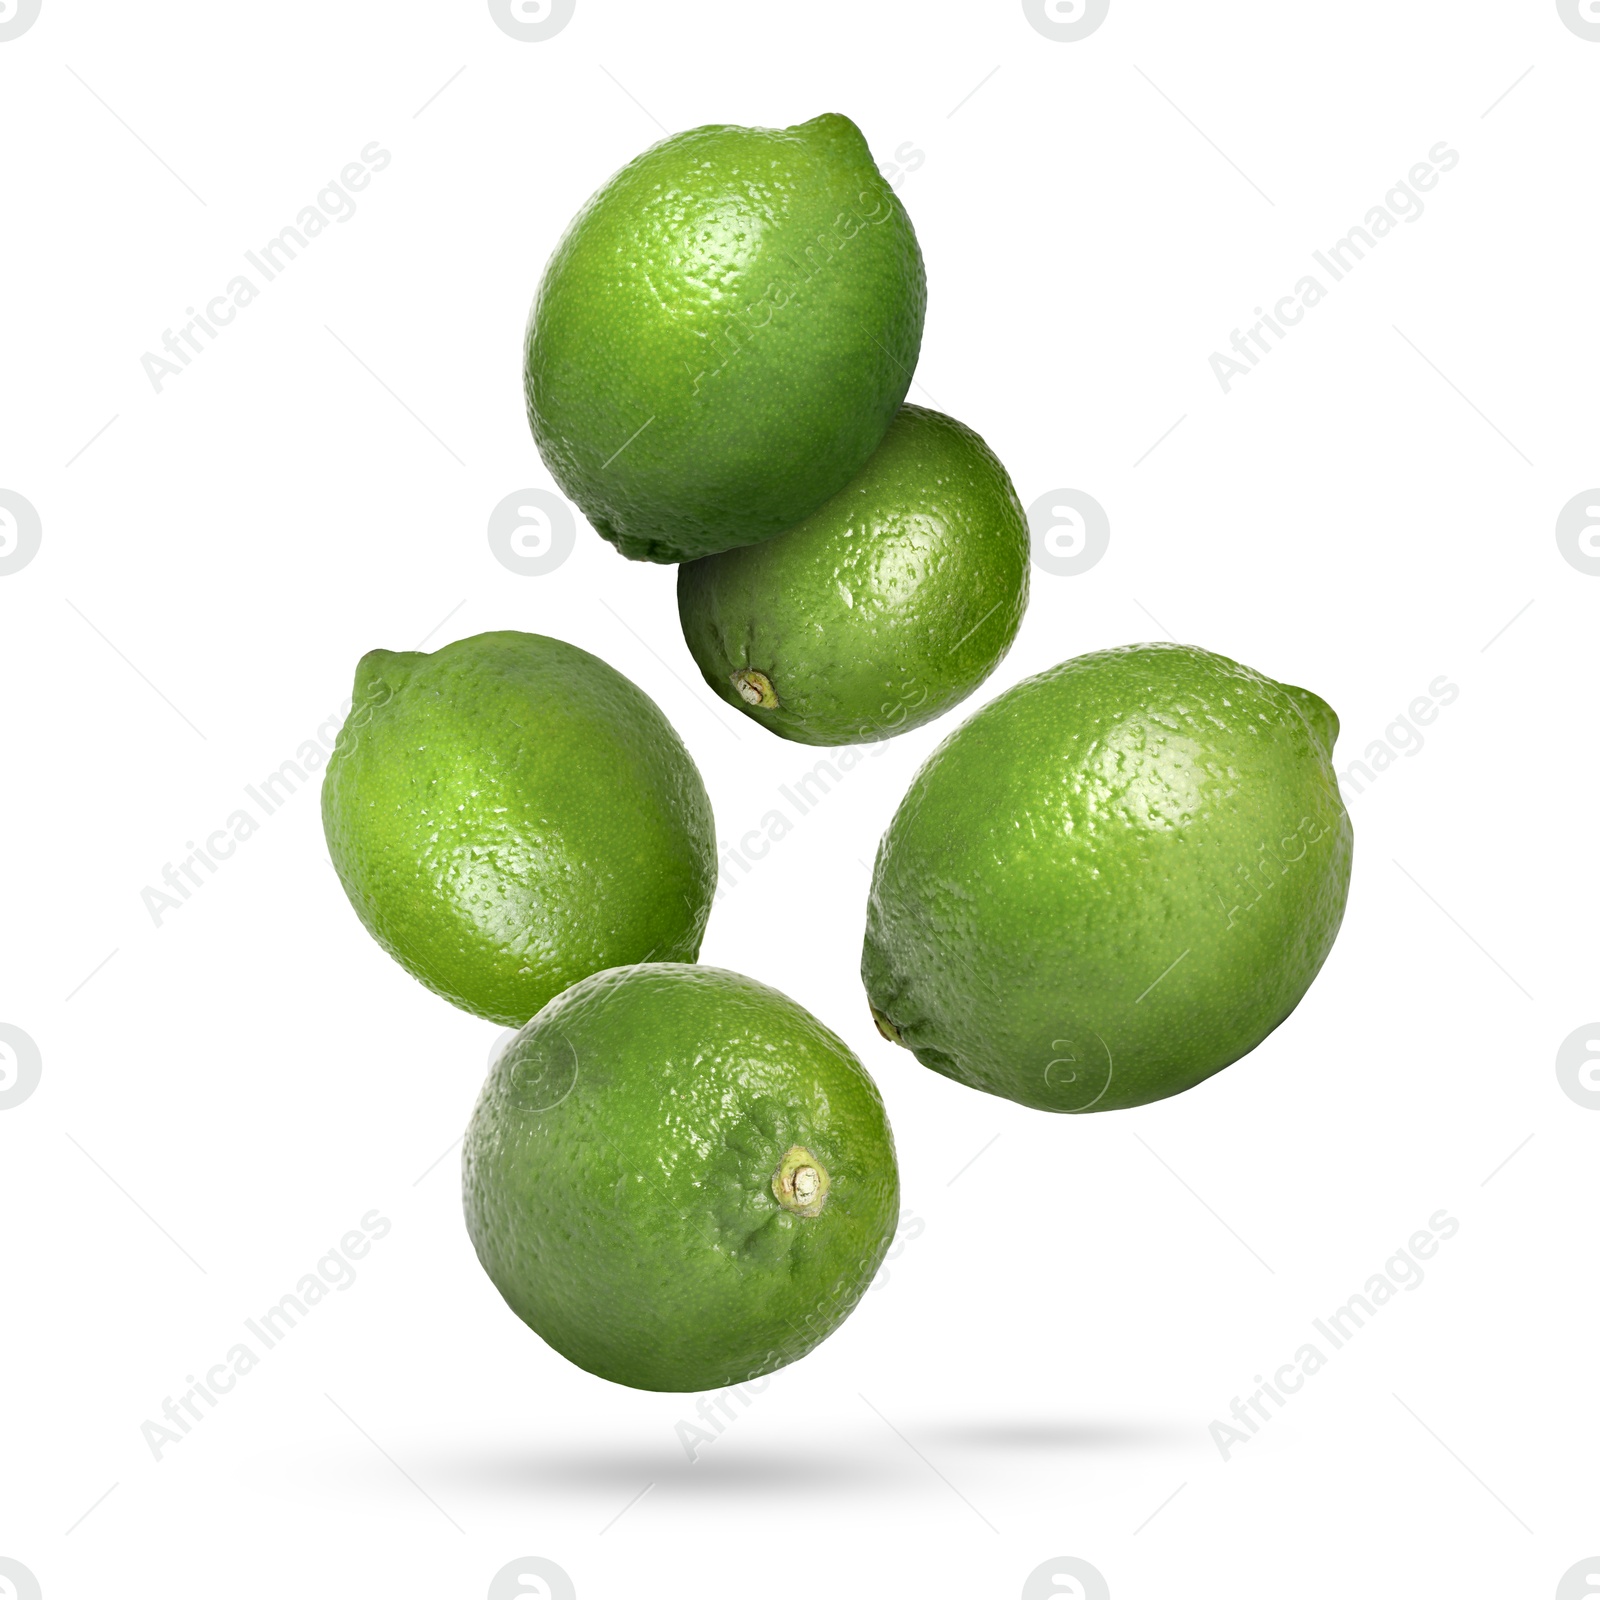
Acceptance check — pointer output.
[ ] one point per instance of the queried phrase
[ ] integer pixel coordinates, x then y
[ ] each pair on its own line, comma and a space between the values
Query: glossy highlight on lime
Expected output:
1112, 881
723, 335
884, 608
510, 814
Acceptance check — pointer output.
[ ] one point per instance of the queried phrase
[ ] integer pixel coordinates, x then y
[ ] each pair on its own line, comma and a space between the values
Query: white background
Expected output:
228, 1093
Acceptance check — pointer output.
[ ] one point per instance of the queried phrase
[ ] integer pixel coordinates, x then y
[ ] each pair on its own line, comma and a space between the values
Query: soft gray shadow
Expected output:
731, 1466
1080, 1436
743, 1466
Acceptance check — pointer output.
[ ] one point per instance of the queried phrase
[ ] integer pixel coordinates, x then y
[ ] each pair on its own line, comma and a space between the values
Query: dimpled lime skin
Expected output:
1112, 881
618, 1177
885, 607
510, 814
722, 336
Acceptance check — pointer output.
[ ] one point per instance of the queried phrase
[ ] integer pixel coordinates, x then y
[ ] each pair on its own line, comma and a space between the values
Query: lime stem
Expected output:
755, 688
800, 1184
886, 1027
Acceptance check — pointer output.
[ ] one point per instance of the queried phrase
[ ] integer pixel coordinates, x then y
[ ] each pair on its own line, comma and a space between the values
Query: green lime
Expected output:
880, 611
510, 814
678, 1178
1112, 881
723, 334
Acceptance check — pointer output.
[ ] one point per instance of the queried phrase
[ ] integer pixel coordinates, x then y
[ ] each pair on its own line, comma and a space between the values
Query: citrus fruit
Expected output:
510, 814
880, 611
679, 1178
722, 336
1112, 881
